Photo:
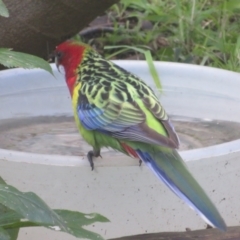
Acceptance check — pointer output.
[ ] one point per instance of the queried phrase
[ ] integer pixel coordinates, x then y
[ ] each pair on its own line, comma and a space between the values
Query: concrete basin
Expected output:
41, 151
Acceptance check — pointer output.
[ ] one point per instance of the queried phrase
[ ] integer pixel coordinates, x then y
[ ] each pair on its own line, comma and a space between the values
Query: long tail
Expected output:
170, 168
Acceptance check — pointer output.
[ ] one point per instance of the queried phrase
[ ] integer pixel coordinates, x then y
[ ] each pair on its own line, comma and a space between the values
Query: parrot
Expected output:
116, 109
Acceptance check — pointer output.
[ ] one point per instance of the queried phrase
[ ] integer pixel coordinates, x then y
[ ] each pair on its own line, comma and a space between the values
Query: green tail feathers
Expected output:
170, 168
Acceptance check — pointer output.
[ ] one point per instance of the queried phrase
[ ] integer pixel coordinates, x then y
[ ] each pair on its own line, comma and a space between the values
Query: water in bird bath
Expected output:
59, 135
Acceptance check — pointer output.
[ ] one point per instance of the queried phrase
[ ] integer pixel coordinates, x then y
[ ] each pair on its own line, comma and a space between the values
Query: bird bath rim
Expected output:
177, 69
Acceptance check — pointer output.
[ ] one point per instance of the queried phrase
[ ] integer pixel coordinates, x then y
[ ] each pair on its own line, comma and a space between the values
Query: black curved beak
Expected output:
57, 63
53, 58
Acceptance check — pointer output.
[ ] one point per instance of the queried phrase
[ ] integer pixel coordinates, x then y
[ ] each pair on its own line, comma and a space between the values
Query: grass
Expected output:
205, 32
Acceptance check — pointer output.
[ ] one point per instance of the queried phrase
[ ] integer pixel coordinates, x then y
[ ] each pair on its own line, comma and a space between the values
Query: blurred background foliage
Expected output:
204, 32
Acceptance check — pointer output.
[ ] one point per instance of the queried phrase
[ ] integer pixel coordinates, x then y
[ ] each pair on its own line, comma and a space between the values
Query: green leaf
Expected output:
2, 181
10, 59
153, 70
29, 210
3, 10
6, 216
30, 207
10, 219
149, 60
4, 234
13, 233
75, 221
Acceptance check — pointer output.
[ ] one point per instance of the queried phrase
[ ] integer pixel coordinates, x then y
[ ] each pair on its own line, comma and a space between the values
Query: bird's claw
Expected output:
140, 163
90, 155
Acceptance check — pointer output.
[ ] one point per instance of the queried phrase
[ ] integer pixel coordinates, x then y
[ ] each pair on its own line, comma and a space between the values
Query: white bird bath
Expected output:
41, 151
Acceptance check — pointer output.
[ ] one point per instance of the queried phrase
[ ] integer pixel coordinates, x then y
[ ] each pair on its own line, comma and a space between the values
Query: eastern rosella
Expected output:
114, 108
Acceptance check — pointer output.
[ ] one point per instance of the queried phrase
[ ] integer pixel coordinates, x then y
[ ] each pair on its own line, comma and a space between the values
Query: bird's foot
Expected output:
209, 226
140, 163
91, 154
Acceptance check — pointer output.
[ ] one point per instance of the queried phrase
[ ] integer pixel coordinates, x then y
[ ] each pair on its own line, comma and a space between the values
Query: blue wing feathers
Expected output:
95, 118
126, 127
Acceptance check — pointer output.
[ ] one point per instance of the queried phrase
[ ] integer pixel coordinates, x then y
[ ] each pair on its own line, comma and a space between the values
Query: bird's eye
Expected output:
59, 55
